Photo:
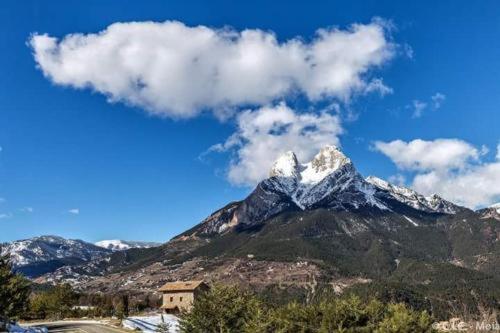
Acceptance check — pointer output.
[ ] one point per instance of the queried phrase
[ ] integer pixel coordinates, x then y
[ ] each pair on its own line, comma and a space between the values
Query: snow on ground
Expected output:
149, 324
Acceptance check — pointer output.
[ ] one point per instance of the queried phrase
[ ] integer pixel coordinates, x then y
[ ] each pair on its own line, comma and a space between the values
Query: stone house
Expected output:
180, 295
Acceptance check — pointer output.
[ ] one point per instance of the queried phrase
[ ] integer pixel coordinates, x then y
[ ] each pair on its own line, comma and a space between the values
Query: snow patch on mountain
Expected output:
410, 220
121, 245
433, 203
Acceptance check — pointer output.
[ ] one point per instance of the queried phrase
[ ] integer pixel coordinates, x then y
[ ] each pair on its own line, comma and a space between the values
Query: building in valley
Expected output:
180, 295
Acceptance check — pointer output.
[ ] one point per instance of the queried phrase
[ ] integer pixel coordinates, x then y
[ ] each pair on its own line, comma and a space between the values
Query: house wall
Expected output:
185, 304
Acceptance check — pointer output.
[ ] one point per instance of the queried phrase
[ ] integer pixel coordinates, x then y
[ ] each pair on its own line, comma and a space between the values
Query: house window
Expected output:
180, 298
171, 299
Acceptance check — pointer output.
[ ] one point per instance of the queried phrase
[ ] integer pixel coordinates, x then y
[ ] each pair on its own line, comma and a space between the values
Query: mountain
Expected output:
120, 245
321, 224
329, 181
491, 212
40, 255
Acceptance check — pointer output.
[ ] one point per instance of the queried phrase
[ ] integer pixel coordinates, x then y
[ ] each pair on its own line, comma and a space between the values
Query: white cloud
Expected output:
450, 167
418, 108
474, 187
438, 100
2, 200
5, 216
27, 209
263, 134
74, 211
421, 155
173, 70
377, 85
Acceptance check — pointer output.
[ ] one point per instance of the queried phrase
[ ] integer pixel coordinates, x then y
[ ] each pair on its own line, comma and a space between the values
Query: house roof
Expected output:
181, 286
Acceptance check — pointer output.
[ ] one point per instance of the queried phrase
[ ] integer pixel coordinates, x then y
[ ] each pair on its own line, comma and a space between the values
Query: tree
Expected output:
55, 303
14, 290
221, 309
123, 307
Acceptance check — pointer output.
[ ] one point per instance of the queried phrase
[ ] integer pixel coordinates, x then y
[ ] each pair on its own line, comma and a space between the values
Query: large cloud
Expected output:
424, 155
173, 70
450, 167
263, 134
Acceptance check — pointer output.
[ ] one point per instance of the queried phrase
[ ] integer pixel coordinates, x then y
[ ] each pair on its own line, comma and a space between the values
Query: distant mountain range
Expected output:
120, 245
317, 224
40, 255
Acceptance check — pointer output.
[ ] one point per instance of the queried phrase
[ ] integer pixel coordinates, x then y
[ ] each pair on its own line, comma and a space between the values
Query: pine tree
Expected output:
14, 290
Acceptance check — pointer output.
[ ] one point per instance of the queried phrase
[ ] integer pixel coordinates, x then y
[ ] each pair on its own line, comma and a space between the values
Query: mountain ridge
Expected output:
330, 181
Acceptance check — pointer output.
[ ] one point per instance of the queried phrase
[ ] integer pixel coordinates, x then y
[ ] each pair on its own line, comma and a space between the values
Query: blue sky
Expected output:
76, 165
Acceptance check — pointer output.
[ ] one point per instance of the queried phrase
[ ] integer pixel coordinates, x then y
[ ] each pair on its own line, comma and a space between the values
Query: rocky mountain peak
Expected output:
286, 165
330, 176
329, 158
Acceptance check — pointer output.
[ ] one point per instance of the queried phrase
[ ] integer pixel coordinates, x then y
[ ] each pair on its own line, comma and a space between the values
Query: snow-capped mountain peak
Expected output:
330, 171
328, 160
286, 165
120, 245
496, 207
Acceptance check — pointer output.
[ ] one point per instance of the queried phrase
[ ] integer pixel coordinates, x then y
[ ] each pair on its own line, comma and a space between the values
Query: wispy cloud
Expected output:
5, 215
418, 106
74, 211
437, 100
27, 209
